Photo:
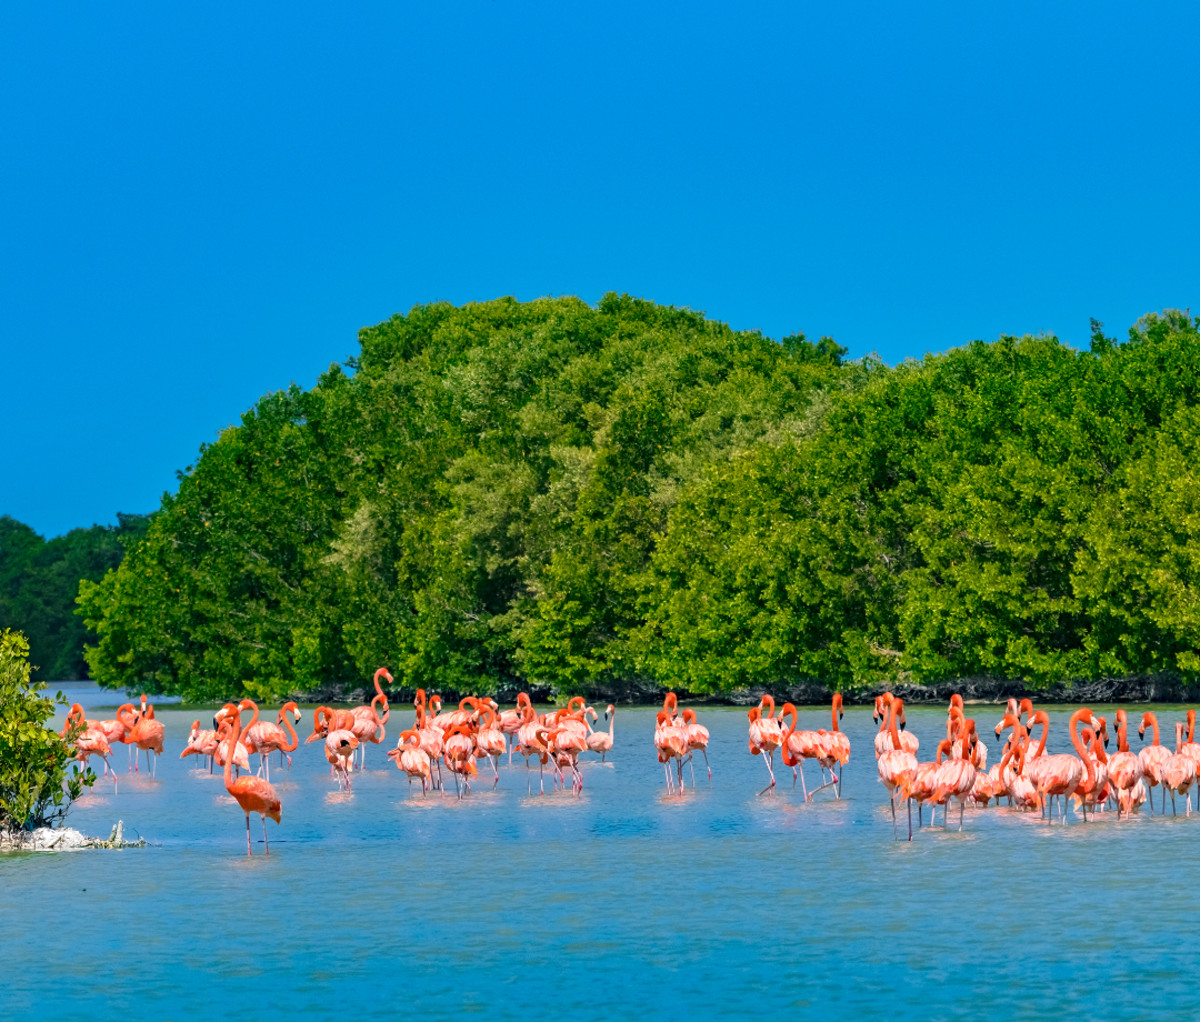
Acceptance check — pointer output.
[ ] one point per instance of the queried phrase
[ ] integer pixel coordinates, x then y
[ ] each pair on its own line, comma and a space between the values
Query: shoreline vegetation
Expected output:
618, 499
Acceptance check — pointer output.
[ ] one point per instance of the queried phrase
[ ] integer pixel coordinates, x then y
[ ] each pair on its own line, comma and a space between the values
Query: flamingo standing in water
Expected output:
340, 745
411, 758
88, 742
1061, 775
924, 780
1153, 757
253, 794
956, 776
897, 767
511, 720
147, 734
671, 742
490, 742
457, 752
261, 737
765, 736
1179, 773
697, 741
1124, 768
602, 741
202, 742
371, 718
883, 740
797, 746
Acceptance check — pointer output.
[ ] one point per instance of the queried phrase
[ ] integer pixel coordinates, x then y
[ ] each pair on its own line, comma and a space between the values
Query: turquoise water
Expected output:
380, 903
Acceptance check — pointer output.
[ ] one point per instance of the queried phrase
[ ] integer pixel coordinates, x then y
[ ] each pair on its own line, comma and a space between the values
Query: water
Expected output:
720, 904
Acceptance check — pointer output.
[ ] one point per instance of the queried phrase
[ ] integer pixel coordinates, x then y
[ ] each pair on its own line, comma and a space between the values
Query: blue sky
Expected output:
203, 203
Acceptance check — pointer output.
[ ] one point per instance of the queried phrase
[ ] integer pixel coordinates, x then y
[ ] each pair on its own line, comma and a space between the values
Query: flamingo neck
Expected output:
1191, 725
892, 711
285, 720
837, 705
234, 734
1076, 741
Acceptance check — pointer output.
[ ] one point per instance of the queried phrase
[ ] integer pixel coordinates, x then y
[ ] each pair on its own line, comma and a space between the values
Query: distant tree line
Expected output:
559, 494
39, 580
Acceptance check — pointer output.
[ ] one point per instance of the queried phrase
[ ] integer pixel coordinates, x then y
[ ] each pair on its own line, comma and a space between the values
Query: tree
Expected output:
36, 789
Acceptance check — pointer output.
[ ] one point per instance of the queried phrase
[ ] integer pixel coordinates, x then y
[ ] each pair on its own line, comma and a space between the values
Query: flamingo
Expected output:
956, 777
671, 742
568, 743
765, 737
531, 742
1152, 757
797, 746
372, 717
1190, 748
510, 722
883, 740
490, 742
1094, 793
923, 781
602, 741
202, 743
697, 741
837, 745
147, 734
261, 737
457, 753
411, 758
897, 766
1178, 774
1063, 774
253, 794
1125, 768
90, 741
340, 745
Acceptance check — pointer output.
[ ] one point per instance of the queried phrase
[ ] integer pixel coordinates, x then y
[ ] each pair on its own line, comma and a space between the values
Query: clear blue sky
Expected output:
202, 203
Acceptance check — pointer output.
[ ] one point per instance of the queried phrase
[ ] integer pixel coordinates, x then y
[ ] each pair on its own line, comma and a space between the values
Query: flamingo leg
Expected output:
803, 784
248, 852
895, 836
962, 808
909, 819
265, 845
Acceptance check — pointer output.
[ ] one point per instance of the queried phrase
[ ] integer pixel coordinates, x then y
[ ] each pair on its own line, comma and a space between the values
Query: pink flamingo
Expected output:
457, 753
897, 766
147, 734
1061, 775
765, 736
697, 741
253, 794
201, 742
340, 744
1179, 774
511, 720
411, 758
883, 740
1124, 768
602, 741
1153, 757
956, 777
490, 742
670, 742
88, 742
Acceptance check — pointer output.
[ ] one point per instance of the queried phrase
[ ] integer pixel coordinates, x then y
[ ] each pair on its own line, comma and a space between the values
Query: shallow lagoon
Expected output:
381, 903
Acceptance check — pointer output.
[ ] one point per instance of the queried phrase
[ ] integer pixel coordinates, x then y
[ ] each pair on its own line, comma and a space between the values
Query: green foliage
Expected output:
546, 492
36, 787
39, 580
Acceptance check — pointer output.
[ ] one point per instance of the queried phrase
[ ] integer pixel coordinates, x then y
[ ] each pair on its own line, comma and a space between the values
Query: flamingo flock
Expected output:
460, 739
